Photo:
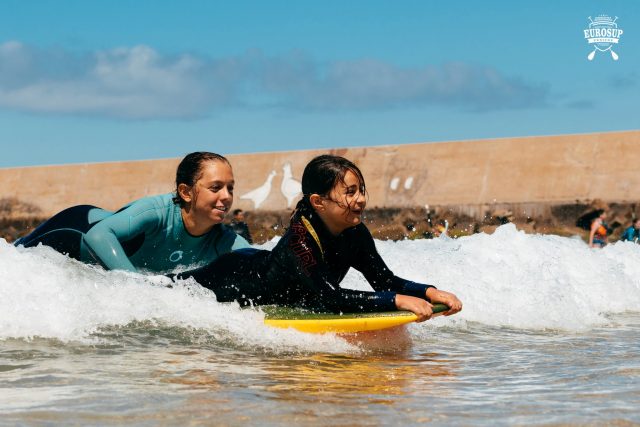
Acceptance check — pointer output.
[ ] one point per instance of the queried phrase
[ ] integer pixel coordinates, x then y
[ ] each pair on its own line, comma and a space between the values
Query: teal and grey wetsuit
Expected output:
147, 234
631, 234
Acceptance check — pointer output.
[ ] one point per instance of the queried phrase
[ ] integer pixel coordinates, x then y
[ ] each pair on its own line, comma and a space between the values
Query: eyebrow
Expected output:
232, 182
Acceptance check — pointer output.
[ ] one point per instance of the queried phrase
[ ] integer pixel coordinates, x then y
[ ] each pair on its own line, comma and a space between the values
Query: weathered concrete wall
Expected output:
513, 171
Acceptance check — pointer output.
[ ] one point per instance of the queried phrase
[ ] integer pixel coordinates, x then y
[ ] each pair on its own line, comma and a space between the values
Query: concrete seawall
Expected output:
530, 173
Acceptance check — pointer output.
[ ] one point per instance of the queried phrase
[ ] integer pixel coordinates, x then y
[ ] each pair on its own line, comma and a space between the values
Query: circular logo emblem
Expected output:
176, 256
603, 34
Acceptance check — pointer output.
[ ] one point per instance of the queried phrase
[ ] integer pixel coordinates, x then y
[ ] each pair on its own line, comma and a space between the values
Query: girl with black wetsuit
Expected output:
325, 238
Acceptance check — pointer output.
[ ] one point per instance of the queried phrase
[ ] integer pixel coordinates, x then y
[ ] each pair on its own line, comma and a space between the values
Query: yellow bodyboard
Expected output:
341, 323
345, 324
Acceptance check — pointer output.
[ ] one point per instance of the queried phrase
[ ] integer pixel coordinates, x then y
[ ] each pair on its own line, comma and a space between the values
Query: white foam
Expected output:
521, 280
46, 294
507, 279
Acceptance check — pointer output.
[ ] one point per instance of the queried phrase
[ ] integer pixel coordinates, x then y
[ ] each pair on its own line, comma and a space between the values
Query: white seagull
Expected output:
260, 194
290, 187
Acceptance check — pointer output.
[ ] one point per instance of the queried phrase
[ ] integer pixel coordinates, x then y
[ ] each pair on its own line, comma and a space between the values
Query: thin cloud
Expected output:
133, 82
140, 83
624, 81
583, 104
372, 84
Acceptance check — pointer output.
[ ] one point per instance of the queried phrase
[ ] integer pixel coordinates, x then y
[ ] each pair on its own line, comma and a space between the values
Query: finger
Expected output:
420, 318
453, 310
453, 303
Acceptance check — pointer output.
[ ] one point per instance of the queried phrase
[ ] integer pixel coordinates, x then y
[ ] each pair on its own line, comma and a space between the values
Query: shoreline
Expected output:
17, 220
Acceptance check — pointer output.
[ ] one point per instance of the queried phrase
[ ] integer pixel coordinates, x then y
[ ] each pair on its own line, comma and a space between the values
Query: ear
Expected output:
184, 191
316, 202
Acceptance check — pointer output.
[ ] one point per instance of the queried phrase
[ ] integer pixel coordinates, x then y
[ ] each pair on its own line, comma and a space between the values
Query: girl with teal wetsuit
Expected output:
157, 233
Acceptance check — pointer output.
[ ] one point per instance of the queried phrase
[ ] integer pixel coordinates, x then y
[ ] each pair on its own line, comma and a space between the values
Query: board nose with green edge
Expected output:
347, 323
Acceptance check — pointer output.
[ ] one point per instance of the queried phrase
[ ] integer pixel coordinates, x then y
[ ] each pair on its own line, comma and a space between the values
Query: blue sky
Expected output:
92, 81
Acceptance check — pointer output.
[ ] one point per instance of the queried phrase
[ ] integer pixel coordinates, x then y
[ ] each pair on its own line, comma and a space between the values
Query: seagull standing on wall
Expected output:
290, 187
260, 194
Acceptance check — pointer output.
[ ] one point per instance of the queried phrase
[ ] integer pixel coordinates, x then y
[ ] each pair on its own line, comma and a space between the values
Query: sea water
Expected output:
549, 335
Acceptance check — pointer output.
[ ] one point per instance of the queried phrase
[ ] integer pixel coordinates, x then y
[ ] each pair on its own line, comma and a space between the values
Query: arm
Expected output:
370, 263
229, 241
367, 260
104, 239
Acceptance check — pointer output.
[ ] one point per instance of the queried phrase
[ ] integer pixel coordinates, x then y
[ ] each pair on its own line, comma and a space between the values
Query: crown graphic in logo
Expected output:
603, 33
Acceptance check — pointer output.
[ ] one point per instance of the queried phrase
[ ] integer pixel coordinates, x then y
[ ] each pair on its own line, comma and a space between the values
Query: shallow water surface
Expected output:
476, 375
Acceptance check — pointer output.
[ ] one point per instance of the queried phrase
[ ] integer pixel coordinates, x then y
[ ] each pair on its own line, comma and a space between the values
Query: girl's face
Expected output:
343, 207
212, 195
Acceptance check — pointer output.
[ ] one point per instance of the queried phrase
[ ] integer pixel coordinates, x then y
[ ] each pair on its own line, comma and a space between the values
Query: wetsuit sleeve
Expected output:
368, 261
230, 241
310, 268
104, 240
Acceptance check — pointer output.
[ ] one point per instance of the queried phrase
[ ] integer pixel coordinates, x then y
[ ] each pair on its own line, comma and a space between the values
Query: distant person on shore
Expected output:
632, 234
326, 238
599, 230
238, 225
442, 228
157, 233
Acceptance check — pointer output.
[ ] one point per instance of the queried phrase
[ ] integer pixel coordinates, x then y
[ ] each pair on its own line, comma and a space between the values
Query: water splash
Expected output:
507, 279
46, 294
520, 280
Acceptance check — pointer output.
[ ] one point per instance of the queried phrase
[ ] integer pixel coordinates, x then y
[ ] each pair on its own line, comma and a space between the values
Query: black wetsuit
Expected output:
305, 271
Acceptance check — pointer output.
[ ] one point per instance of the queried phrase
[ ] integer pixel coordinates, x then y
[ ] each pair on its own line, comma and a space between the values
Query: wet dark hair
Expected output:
190, 170
585, 220
322, 174
236, 212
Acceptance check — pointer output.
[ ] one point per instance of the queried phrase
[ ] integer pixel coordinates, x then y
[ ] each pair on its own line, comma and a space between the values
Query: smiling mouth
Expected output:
221, 208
